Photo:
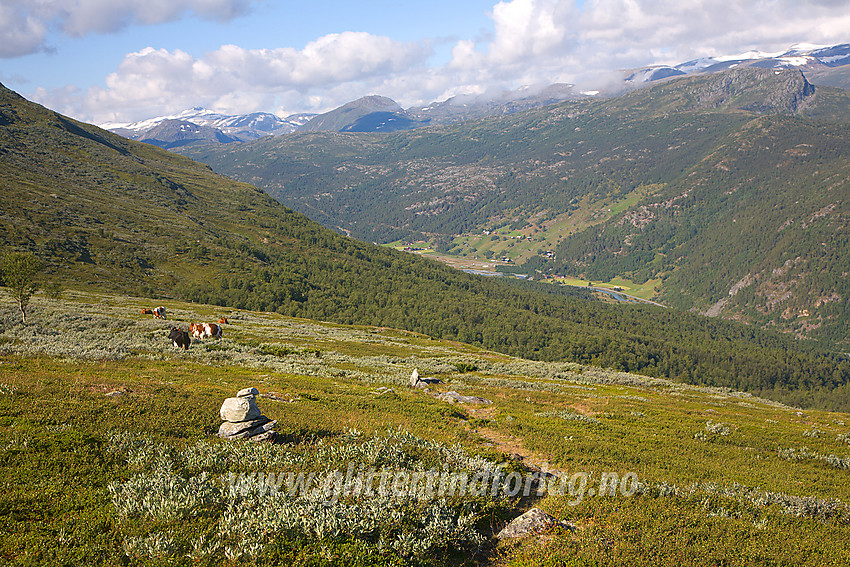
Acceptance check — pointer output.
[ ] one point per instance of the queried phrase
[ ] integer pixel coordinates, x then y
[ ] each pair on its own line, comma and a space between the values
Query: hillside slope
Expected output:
664, 181
756, 231
706, 476
113, 214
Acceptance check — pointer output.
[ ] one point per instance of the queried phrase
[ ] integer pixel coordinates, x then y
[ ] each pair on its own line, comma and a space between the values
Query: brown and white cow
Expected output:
204, 330
159, 312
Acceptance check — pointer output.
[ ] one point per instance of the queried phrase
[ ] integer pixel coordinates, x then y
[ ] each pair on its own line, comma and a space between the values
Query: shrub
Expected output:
571, 416
256, 509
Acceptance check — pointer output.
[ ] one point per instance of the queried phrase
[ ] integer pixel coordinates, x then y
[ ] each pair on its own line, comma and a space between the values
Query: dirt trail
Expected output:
508, 444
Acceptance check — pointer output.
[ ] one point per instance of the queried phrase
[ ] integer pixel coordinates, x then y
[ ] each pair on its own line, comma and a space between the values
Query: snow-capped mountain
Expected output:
170, 134
241, 128
821, 64
817, 59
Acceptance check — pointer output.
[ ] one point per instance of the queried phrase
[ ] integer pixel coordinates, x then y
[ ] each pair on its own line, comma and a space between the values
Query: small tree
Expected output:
18, 270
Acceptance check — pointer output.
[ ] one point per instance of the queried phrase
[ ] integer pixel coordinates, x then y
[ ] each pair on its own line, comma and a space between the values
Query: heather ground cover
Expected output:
109, 455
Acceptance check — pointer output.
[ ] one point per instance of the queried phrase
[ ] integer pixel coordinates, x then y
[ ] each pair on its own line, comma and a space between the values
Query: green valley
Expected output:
730, 188
111, 214
418, 410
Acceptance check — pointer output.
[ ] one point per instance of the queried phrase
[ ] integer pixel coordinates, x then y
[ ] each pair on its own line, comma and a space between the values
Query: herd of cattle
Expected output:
181, 338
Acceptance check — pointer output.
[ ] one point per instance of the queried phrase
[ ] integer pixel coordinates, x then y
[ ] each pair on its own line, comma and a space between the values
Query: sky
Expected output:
105, 61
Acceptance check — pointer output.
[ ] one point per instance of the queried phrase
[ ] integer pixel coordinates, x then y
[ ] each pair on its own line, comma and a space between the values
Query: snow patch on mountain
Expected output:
242, 127
803, 56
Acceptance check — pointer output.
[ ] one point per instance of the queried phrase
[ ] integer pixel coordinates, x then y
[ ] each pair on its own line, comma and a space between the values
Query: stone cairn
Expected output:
418, 382
242, 419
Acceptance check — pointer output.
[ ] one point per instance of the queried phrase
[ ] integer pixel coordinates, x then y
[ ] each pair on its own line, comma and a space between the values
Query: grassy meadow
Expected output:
109, 453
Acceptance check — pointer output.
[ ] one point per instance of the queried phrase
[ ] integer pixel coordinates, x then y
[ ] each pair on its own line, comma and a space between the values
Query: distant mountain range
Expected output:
823, 65
203, 125
371, 113
468, 107
815, 61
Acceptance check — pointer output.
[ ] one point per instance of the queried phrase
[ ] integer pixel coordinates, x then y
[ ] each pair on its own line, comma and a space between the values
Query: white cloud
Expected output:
547, 40
24, 24
331, 59
531, 42
20, 32
529, 28
233, 79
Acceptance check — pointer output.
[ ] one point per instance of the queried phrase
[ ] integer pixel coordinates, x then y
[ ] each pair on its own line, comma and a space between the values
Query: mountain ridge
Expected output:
242, 128
803, 57
825, 65
371, 113
175, 133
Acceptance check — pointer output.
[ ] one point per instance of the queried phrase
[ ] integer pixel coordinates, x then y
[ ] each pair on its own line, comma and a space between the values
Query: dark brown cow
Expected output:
180, 338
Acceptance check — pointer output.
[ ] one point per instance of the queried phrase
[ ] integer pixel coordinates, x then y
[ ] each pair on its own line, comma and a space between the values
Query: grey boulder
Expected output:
251, 432
228, 429
454, 397
236, 410
533, 522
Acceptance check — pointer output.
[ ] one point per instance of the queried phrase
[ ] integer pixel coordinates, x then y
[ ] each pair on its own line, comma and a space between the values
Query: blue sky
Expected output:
125, 60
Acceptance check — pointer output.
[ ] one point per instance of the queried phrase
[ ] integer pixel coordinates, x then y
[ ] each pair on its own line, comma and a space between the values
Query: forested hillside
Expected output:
758, 229
112, 214
730, 189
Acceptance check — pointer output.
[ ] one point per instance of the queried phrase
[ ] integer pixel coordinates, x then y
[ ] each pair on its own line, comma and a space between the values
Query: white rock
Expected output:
235, 410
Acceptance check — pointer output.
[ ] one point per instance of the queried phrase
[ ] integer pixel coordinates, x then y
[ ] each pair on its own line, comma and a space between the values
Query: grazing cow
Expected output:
222, 321
180, 338
159, 313
147, 312
204, 330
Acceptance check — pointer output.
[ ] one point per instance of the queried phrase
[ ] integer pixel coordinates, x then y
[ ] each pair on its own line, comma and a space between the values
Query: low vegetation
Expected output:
109, 452
628, 421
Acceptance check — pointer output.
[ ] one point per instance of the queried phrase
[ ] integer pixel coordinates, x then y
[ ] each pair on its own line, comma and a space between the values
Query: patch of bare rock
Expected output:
452, 397
533, 522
